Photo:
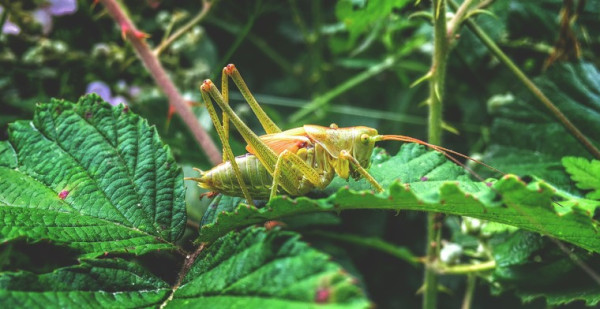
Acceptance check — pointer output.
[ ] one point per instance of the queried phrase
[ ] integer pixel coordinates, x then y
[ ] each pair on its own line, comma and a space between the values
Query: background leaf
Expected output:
534, 267
575, 89
585, 173
90, 176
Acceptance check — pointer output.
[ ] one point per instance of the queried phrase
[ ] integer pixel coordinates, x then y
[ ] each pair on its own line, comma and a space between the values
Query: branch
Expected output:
206, 6
458, 18
318, 102
489, 43
150, 61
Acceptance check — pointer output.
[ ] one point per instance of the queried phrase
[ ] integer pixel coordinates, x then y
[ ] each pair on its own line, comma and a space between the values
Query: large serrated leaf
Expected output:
93, 177
252, 269
420, 180
95, 283
261, 269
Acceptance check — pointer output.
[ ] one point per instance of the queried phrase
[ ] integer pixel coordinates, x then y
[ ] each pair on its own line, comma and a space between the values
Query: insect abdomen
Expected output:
221, 178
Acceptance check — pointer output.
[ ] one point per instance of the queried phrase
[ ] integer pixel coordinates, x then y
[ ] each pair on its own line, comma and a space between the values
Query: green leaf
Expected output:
421, 180
359, 16
93, 177
95, 283
586, 173
261, 269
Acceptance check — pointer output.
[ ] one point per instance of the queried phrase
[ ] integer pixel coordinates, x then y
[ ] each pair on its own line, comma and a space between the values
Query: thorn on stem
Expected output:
126, 29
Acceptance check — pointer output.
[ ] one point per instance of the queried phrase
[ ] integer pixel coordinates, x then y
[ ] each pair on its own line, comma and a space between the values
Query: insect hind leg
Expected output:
296, 162
227, 152
231, 71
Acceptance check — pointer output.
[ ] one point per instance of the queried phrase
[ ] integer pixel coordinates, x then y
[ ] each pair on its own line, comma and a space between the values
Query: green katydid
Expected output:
297, 160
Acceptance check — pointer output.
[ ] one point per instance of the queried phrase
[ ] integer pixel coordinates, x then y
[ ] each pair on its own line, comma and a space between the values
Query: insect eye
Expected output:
364, 138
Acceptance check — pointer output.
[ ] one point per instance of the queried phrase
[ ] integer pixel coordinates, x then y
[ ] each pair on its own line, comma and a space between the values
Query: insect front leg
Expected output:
295, 162
345, 155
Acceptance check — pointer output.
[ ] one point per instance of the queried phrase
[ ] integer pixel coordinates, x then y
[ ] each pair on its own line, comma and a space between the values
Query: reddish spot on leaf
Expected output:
88, 115
322, 295
63, 194
269, 225
424, 178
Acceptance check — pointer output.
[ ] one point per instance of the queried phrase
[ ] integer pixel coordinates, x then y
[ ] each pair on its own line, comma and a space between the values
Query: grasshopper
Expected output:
296, 160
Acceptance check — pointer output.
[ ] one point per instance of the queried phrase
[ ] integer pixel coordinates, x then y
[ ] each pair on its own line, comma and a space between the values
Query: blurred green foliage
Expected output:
295, 54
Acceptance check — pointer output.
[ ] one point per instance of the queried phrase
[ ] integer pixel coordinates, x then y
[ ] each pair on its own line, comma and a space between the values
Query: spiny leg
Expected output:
227, 152
266, 122
264, 153
225, 93
345, 155
296, 162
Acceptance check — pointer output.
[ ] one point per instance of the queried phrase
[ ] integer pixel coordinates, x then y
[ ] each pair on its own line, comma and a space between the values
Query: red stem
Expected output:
150, 61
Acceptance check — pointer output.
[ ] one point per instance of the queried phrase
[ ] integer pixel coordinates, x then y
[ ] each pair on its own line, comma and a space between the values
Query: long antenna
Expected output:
445, 151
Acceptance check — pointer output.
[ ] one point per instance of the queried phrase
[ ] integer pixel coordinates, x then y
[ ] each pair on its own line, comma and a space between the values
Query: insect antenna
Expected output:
445, 151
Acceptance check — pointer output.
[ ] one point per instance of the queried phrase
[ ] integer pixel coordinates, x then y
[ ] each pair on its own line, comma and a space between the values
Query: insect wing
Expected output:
290, 140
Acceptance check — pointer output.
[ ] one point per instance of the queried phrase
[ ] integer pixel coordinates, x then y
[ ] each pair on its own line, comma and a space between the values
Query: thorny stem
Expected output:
161, 78
491, 45
206, 6
436, 92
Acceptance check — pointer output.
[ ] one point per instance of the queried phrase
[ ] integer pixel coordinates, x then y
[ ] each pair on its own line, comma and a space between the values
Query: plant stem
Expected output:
206, 6
466, 269
323, 99
400, 252
436, 92
491, 45
187, 265
457, 19
3, 19
161, 78
261, 44
469, 291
